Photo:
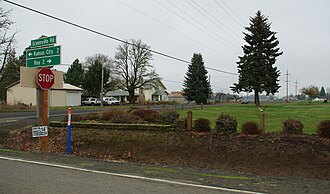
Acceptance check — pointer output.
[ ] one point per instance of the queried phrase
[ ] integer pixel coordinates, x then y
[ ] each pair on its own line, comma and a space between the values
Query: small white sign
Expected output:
40, 131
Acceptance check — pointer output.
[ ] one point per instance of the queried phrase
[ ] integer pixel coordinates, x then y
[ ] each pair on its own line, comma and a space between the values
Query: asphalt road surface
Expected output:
27, 177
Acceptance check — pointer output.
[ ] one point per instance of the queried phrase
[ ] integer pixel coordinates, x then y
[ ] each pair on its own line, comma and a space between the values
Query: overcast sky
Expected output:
182, 27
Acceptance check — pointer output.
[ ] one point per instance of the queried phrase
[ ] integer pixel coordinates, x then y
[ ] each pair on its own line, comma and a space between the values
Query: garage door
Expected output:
72, 99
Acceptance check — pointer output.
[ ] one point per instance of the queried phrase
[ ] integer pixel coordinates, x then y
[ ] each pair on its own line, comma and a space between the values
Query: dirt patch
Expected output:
270, 154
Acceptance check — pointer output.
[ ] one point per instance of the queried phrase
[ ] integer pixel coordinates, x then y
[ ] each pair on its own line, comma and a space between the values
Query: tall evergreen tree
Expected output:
75, 74
322, 92
11, 72
92, 80
196, 86
255, 67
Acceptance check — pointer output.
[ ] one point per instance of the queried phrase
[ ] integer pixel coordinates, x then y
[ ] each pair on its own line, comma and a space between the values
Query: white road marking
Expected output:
7, 121
130, 176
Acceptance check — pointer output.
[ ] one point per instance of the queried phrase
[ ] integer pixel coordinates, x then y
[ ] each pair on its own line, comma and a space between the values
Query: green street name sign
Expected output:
42, 57
43, 52
43, 41
44, 62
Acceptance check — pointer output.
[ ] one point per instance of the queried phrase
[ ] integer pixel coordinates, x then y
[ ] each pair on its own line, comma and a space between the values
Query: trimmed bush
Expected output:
111, 113
323, 129
168, 117
292, 127
226, 124
150, 116
251, 128
91, 116
181, 124
120, 116
202, 125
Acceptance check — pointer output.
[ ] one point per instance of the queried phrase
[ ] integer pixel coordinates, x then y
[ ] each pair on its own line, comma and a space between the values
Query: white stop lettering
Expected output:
45, 78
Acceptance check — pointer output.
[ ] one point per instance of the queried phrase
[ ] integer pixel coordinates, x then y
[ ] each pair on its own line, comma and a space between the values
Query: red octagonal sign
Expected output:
45, 78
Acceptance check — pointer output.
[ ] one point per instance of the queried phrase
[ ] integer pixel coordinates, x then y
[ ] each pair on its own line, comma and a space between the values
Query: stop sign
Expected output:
45, 78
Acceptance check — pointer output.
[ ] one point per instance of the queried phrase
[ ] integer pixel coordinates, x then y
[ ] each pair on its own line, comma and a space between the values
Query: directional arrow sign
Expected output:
43, 57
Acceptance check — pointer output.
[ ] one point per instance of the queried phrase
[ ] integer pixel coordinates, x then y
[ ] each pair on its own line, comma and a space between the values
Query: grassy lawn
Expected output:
275, 114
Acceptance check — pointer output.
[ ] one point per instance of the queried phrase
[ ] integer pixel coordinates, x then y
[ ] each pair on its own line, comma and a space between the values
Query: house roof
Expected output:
176, 94
160, 92
118, 93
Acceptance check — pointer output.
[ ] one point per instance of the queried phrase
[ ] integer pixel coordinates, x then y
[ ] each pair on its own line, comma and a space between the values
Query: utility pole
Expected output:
101, 94
296, 88
287, 85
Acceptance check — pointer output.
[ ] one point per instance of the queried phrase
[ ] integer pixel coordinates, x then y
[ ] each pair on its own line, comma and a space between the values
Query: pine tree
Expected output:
75, 74
196, 85
255, 67
322, 92
92, 79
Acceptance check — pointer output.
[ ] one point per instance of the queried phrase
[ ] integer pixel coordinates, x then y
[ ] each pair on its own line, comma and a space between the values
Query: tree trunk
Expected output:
256, 98
131, 97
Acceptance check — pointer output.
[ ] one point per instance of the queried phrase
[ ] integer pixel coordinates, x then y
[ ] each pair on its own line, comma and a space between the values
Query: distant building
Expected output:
68, 96
148, 93
177, 96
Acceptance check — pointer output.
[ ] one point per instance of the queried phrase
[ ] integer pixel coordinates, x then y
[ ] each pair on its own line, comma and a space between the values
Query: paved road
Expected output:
23, 177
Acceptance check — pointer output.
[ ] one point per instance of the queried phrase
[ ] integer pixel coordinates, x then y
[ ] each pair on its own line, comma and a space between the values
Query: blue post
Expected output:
69, 132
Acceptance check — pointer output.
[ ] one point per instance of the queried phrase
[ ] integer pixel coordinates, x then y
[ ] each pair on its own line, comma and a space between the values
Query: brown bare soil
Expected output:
270, 154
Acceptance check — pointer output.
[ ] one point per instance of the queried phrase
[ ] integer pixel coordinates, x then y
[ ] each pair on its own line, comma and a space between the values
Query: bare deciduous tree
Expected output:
132, 63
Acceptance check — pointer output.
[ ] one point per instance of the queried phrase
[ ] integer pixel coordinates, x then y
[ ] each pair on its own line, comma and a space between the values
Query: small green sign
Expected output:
44, 61
43, 52
43, 41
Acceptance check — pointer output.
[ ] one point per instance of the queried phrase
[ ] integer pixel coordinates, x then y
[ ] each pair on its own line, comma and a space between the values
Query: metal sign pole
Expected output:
44, 118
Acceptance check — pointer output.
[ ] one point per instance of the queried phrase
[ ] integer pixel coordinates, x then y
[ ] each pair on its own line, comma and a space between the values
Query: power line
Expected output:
232, 11
223, 41
240, 24
154, 19
207, 13
105, 35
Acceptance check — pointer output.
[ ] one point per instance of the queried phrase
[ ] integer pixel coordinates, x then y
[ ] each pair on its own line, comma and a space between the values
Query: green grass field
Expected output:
275, 114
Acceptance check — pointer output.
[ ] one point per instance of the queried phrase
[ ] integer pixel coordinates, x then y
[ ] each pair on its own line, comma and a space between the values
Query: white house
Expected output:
148, 93
68, 96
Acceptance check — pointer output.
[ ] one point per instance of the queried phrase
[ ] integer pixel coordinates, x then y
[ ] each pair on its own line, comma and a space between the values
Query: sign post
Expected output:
43, 53
68, 151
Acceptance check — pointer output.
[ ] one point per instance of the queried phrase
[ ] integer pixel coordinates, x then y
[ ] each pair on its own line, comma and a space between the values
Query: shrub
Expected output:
181, 124
147, 115
120, 116
323, 129
91, 116
292, 127
202, 124
226, 124
111, 113
251, 128
168, 117
126, 119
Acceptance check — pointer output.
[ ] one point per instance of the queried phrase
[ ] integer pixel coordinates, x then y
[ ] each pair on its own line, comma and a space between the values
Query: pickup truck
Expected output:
91, 101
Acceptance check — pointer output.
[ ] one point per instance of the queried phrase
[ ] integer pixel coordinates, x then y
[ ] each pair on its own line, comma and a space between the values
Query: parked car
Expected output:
110, 101
91, 101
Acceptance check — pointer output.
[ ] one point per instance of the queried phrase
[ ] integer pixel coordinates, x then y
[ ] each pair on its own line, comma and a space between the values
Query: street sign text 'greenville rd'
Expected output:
43, 41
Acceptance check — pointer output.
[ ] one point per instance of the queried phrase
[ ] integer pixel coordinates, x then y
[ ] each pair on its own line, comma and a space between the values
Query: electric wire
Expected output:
222, 41
108, 36
232, 12
156, 20
229, 14
198, 8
